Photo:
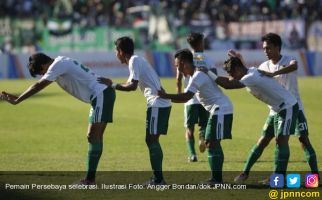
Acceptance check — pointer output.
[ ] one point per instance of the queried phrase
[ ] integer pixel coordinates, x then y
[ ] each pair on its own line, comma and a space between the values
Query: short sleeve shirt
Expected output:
267, 90
199, 60
74, 78
209, 94
149, 81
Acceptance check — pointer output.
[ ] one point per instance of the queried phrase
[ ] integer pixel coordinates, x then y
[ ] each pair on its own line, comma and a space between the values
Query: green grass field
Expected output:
48, 132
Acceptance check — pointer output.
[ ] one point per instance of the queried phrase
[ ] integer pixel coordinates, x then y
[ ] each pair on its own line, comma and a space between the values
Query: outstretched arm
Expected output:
127, 87
35, 88
130, 86
284, 70
225, 82
229, 83
176, 98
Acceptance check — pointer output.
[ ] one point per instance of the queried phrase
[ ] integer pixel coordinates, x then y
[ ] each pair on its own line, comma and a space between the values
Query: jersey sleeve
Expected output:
263, 66
196, 82
55, 70
134, 70
250, 78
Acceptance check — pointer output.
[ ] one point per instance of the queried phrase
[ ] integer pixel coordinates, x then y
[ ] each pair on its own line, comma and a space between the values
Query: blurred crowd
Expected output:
188, 13
113, 12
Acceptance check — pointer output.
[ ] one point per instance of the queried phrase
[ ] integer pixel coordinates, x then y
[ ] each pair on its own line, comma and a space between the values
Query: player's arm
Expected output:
179, 82
127, 87
287, 69
176, 98
225, 82
229, 83
284, 70
133, 80
232, 53
35, 88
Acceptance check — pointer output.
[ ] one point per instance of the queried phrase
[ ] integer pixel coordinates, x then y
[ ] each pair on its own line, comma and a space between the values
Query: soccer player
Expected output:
194, 112
214, 101
284, 69
269, 91
158, 110
80, 82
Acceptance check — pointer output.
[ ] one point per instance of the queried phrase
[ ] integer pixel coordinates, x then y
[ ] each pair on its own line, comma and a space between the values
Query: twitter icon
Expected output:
293, 180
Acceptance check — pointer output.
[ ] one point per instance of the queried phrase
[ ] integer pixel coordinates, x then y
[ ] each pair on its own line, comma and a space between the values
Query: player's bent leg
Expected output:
202, 142
150, 139
284, 124
302, 130
95, 148
95, 132
203, 120
257, 150
218, 128
282, 154
157, 123
101, 113
215, 159
263, 141
190, 133
191, 118
309, 153
190, 140
156, 156
253, 156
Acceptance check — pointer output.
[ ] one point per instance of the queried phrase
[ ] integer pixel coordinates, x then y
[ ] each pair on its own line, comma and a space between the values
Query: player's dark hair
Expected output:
36, 61
274, 39
184, 55
194, 39
125, 44
231, 64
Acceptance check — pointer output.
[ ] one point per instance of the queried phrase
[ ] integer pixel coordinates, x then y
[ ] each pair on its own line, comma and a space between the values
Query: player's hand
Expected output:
9, 98
105, 81
161, 93
265, 73
233, 53
202, 69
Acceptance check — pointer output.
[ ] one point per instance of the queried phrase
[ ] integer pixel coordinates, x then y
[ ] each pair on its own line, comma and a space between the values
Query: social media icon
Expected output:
293, 180
276, 180
311, 180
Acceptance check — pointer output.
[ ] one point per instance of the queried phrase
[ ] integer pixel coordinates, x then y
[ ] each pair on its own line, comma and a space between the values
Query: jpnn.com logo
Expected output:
276, 181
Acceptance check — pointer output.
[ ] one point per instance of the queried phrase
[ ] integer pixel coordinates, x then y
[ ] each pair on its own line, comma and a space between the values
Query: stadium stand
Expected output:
30, 25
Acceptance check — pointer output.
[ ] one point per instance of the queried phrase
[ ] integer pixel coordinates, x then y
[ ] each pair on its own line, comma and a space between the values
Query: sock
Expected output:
191, 147
94, 154
156, 157
311, 158
282, 154
216, 160
253, 156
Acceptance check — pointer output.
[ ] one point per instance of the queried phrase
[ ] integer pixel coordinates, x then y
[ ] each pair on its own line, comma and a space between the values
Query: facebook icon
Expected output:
276, 180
